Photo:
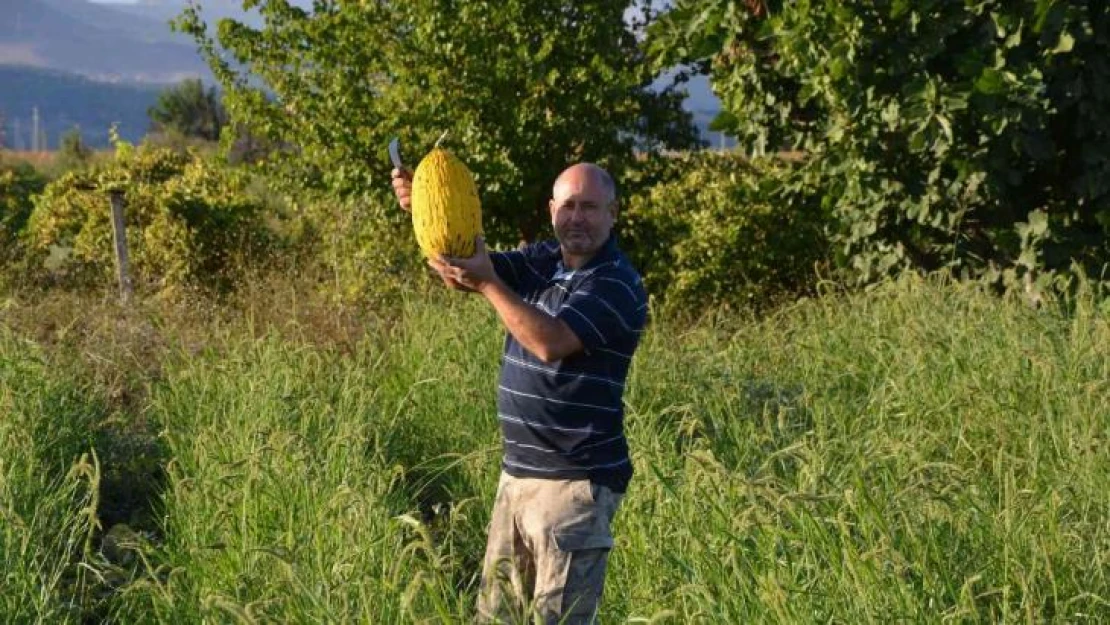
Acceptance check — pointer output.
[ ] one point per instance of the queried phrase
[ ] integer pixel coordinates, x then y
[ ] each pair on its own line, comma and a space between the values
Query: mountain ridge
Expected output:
97, 41
63, 101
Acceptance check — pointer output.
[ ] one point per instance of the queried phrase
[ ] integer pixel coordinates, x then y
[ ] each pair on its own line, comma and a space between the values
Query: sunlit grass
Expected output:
48, 486
923, 452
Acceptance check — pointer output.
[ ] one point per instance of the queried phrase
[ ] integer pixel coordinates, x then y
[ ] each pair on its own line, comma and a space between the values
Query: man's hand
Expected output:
547, 337
453, 284
448, 274
402, 187
474, 273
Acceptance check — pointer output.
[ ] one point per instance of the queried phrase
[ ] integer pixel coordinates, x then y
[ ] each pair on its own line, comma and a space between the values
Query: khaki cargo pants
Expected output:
549, 541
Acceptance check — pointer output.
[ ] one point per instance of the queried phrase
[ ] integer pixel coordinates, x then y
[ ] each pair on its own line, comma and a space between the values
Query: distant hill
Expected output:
96, 40
65, 101
88, 65
211, 10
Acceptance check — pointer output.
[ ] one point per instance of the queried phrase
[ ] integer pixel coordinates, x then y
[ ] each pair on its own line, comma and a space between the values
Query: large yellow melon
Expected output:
446, 212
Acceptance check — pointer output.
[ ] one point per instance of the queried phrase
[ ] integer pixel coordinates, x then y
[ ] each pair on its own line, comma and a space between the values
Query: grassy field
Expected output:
922, 452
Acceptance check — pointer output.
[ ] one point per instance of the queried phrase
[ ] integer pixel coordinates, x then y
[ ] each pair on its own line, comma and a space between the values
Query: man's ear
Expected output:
551, 207
614, 208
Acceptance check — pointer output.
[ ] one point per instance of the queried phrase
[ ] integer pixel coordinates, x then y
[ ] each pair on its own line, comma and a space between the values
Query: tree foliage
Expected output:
73, 151
972, 135
189, 110
524, 87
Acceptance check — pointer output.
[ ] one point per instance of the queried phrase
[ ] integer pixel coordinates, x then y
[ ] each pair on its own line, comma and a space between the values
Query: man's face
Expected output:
582, 212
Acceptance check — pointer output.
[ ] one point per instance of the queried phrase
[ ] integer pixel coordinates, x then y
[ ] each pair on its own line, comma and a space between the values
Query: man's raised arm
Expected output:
548, 338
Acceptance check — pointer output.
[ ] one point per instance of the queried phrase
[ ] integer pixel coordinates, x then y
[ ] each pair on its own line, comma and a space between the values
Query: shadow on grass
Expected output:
443, 481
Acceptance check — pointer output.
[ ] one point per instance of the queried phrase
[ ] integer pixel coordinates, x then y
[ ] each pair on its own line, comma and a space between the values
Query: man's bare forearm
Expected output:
548, 338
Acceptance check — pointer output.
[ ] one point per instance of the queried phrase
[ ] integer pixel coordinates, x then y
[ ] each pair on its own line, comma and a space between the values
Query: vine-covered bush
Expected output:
19, 183
365, 246
725, 232
188, 221
972, 136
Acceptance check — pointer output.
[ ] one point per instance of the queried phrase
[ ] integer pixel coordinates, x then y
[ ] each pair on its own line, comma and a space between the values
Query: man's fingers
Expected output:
402, 187
445, 268
451, 276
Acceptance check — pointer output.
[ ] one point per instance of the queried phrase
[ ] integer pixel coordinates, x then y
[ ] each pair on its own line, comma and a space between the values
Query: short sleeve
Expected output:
605, 309
510, 267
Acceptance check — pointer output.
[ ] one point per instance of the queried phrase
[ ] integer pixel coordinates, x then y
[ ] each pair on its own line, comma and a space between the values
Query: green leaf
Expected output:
991, 82
1038, 223
1065, 44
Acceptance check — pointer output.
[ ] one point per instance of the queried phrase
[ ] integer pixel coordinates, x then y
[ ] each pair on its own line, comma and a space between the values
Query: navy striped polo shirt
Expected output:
565, 419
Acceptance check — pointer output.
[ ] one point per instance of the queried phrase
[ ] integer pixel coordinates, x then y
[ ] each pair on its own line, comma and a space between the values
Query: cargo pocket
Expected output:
586, 531
585, 519
570, 541
586, 556
582, 492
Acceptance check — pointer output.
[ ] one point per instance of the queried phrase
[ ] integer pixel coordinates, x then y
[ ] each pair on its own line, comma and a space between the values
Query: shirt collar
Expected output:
607, 252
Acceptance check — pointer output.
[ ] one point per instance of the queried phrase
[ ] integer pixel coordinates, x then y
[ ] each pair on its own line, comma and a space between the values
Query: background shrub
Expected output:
724, 231
965, 136
189, 221
364, 246
19, 182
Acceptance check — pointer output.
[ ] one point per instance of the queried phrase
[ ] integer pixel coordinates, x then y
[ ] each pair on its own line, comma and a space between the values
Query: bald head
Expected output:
583, 210
583, 176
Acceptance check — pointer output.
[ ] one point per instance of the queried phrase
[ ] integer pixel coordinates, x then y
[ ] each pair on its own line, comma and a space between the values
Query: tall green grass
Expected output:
313, 485
48, 488
922, 452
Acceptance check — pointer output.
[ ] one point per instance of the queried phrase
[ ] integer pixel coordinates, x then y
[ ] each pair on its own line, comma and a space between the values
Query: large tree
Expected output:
524, 87
970, 135
188, 108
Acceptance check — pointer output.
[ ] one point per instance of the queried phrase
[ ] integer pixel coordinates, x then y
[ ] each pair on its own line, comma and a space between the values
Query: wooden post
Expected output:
125, 290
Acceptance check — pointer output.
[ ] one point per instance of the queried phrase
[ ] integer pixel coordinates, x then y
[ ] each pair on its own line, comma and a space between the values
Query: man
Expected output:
574, 309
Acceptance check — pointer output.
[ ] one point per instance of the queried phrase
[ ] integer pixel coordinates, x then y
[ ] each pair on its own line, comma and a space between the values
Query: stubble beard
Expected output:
578, 245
